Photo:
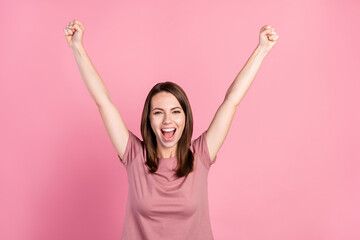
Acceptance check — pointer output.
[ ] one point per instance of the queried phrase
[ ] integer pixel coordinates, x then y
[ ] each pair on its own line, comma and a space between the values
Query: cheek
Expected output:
181, 120
152, 123
155, 122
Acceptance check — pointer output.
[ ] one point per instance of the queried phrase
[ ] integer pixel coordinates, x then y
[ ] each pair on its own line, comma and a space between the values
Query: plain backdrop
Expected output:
289, 167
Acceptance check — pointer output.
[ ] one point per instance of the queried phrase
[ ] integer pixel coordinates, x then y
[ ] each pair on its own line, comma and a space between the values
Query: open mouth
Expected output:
168, 133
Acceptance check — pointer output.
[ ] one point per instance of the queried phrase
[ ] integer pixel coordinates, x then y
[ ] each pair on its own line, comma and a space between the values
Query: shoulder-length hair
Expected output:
184, 155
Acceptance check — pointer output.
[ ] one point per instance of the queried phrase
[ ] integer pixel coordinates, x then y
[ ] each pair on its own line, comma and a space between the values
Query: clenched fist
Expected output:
74, 33
268, 37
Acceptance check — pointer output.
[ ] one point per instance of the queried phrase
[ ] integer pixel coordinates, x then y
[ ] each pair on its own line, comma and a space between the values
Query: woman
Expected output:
167, 172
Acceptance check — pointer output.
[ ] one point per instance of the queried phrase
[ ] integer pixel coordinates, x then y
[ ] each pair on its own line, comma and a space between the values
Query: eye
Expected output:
157, 112
176, 111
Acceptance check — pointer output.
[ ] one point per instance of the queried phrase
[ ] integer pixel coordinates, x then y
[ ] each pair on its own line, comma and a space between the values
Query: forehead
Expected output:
164, 100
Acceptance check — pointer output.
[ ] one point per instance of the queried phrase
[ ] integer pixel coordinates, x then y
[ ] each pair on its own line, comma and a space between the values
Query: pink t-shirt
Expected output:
162, 206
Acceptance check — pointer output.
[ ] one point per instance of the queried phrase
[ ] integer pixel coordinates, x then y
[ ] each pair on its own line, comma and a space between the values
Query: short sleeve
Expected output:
134, 147
202, 151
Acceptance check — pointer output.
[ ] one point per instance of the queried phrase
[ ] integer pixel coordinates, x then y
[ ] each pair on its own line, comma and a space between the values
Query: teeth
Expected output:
168, 130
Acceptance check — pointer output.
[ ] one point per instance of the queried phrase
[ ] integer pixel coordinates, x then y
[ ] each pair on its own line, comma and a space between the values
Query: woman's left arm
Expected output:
219, 127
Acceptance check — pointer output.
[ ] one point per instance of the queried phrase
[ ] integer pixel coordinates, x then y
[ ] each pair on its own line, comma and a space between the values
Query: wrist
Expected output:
261, 51
76, 46
78, 49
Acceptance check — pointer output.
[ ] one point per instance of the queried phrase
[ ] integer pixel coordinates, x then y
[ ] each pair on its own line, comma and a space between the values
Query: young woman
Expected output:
167, 172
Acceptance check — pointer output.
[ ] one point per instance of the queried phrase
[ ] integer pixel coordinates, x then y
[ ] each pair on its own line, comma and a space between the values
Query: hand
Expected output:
268, 37
74, 33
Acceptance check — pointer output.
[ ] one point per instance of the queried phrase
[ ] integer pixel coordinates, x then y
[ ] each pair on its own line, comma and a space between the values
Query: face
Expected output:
166, 113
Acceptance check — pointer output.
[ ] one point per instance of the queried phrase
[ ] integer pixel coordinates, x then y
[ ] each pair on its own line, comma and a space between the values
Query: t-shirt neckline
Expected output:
167, 158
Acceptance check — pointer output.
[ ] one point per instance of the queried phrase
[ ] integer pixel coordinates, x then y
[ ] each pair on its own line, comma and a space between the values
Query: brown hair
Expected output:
184, 155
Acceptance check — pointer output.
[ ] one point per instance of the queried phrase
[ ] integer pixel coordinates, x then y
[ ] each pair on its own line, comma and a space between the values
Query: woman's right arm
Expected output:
110, 115
90, 76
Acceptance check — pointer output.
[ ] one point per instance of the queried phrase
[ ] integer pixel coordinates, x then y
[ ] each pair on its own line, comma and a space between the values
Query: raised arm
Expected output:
219, 127
110, 115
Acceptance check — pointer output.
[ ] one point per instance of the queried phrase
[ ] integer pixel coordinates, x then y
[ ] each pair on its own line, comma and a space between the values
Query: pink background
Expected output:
288, 169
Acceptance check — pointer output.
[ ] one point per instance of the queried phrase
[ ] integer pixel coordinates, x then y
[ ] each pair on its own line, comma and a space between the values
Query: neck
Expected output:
166, 152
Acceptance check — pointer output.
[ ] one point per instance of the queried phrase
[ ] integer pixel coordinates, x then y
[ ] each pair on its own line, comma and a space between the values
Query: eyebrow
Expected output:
163, 109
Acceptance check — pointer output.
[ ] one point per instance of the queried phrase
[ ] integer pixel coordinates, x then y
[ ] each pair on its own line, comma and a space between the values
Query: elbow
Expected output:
232, 100
103, 101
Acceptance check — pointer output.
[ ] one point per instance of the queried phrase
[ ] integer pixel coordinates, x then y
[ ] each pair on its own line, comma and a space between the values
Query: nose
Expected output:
167, 118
